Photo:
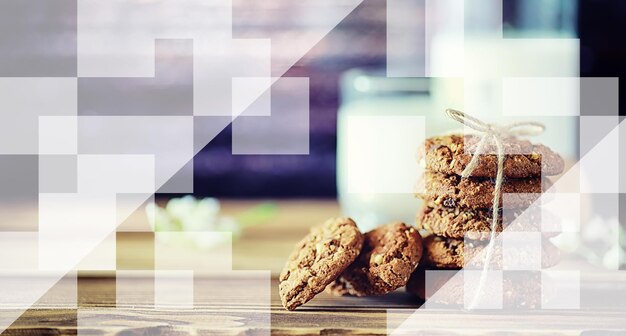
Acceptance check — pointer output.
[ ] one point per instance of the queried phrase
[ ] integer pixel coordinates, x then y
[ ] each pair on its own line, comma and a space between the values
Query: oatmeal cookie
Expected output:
453, 191
451, 253
450, 154
318, 259
389, 256
475, 224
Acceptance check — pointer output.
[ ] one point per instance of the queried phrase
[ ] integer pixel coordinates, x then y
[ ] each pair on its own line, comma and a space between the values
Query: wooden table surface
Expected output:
245, 301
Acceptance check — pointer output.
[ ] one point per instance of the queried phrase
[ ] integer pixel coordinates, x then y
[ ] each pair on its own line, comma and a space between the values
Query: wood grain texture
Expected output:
246, 302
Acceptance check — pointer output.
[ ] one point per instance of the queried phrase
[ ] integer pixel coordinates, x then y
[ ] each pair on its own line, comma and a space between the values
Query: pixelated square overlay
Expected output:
521, 290
138, 304
285, 131
531, 219
168, 93
599, 96
372, 168
599, 178
622, 153
173, 289
116, 173
23, 101
541, 96
560, 289
478, 253
231, 90
406, 39
102, 257
565, 206
482, 289
25, 289
58, 135
22, 247
58, 173
134, 212
521, 250
63, 213
443, 289
29, 53
168, 137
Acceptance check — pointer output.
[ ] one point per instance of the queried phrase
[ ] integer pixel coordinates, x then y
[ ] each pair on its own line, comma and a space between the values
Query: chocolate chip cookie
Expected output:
389, 256
450, 155
453, 191
520, 289
451, 253
475, 224
318, 259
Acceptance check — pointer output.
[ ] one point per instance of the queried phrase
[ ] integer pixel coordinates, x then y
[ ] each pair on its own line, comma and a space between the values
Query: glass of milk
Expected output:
381, 124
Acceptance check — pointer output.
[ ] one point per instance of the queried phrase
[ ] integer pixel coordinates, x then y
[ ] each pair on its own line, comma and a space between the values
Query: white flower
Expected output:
191, 216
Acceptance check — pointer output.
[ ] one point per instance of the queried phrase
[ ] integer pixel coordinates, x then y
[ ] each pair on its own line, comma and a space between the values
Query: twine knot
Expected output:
497, 134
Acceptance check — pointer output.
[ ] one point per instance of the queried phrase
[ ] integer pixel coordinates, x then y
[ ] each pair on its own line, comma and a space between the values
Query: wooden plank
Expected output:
249, 304
221, 305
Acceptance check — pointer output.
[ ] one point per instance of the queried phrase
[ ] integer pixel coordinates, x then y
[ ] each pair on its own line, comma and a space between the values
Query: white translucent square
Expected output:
482, 289
24, 289
560, 289
173, 289
622, 158
252, 96
525, 220
596, 177
521, 250
551, 58
116, 173
71, 226
445, 36
58, 173
22, 247
202, 252
23, 100
521, 200
477, 253
168, 138
541, 96
380, 152
216, 69
61, 295
286, 131
443, 288
58, 134
566, 208
134, 212
134, 288
102, 257
405, 39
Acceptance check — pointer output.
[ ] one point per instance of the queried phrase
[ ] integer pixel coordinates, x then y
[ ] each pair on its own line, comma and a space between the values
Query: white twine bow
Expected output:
497, 134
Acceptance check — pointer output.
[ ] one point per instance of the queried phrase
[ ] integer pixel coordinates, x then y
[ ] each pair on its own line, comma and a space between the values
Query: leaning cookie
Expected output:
451, 154
451, 253
318, 259
475, 224
453, 191
520, 289
389, 256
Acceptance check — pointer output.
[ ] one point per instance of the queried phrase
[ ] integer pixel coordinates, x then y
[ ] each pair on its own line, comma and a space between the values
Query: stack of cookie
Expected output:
337, 257
458, 211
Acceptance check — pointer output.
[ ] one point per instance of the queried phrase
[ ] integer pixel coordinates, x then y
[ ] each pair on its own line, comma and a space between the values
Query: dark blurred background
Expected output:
359, 41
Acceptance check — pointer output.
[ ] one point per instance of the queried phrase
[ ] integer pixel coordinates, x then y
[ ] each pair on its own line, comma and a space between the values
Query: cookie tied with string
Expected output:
451, 154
